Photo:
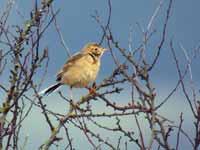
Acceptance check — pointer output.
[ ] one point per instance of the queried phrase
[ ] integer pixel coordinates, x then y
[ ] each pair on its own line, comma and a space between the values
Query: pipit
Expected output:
80, 70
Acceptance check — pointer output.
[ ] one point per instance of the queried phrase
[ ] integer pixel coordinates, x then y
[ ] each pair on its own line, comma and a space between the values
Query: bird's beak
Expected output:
105, 49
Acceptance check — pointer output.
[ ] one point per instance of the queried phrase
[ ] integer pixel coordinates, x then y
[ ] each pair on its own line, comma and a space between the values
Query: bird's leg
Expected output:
71, 93
92, 89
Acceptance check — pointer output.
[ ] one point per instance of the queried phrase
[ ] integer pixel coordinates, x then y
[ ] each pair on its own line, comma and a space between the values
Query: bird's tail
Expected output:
50, 89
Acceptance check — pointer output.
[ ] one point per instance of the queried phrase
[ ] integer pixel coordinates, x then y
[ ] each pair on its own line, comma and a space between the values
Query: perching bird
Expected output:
80, 70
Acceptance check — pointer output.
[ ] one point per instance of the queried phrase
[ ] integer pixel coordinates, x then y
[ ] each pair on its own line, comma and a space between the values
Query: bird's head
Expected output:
94, 49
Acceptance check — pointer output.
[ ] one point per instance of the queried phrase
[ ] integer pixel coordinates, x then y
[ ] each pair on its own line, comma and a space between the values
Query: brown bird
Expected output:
80, 70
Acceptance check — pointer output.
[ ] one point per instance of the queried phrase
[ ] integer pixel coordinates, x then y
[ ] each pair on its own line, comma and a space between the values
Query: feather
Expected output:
70, 62
50, 89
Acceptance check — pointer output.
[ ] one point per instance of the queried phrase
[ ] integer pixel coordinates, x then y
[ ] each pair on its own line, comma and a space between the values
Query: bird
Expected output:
80, 69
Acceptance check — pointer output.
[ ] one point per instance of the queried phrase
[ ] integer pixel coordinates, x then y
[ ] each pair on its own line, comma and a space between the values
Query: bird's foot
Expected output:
92, 90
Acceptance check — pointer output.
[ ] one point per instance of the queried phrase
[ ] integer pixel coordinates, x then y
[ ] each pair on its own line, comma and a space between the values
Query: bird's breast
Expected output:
88, 74
82, 73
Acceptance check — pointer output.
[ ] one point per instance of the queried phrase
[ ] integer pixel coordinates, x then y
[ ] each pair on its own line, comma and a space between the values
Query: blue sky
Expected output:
78, 28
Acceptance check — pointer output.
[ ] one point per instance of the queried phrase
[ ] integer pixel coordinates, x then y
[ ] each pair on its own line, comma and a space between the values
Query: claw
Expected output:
92, 89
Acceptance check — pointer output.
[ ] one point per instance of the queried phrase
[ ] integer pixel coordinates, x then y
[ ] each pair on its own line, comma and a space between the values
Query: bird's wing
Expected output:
68, 64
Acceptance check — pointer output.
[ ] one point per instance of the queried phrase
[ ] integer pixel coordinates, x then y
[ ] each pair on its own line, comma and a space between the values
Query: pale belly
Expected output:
80, 77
